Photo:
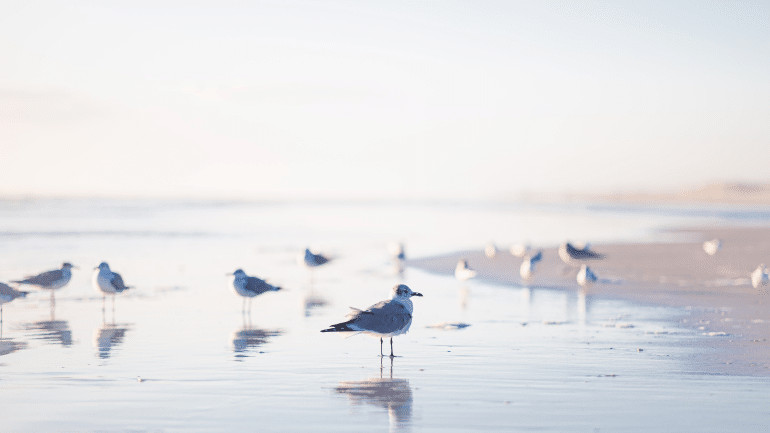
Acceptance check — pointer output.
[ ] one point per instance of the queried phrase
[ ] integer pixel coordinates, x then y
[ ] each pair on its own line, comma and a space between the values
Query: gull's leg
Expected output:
391, 348
381, 355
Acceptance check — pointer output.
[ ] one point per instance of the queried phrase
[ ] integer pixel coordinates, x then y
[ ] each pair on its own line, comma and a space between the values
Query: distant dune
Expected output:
725, 193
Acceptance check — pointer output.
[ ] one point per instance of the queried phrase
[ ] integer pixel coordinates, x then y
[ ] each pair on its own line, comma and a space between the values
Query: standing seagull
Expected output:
463, 272
569, 253
50, 280
313, 260
383, 319
527, 268
759, 277
8, 294
586, 277
107, 281
711, 247
249, 287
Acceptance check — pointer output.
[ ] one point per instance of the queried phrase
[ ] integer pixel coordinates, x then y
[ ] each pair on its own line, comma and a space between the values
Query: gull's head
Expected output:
103, 266
239, 273
67, 265
403, 291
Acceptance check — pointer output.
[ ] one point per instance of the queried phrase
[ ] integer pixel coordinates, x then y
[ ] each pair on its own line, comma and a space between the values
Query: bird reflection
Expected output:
311, 302
8, 345
53, 331
109, 336
247, 339
394, 395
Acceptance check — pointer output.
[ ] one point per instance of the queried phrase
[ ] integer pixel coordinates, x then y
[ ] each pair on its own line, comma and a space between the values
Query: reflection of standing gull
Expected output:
711, 247
585, 276
247, 339
463, 272
54, 331
527, 268
313, 260
383, 319
569, 254
395, 395
759, 277
8, 294
249, 287
108, 337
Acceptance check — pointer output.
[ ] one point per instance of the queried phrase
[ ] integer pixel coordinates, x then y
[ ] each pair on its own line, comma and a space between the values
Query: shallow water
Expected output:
178, 352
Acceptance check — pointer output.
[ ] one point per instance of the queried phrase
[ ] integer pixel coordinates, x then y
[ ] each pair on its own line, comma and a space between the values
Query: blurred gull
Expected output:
249, 287
585, 276
383, 319
463, 272
527, 268
397, 250
313, 260
107, 281
490, 250
569, 253
759, 277
519, 250
50, 280
8, 294
711, 247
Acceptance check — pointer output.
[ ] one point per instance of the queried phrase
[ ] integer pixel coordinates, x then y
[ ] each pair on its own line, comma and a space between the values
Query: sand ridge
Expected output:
716, 291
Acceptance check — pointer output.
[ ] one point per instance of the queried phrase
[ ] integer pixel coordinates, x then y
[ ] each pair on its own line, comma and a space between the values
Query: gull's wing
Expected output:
117, 282
257, 285
384, 317
44, 279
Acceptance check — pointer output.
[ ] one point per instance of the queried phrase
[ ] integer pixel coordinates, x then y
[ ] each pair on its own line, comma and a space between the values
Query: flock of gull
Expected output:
385, 319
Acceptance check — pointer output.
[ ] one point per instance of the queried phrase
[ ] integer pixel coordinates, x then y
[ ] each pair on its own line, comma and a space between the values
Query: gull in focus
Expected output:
519, 250
490, 250
383, 319
759, 277
249, 287
711, 247
8, 294
569, 253
463, 272
527, 268
313, 260
106, 281
585, 276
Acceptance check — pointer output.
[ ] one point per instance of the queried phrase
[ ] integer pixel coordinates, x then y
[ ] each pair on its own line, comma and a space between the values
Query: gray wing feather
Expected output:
44, 279
257, 285
117, 282
383, 317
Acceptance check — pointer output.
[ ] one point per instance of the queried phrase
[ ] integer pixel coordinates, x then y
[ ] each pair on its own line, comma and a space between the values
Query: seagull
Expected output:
711, 247
313, 260
463, 272
759, 277
568, 253
585, 276
8, 294
490, 250
249, 287
519, 250
528, 265
383, 319
107, 281
397, 251
50, 280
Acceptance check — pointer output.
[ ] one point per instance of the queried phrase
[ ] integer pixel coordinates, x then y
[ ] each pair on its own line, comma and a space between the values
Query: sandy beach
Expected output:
715, 292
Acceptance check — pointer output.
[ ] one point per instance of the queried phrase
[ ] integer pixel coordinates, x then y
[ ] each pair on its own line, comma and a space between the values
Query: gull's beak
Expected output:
416, 294
230, 274
96, 268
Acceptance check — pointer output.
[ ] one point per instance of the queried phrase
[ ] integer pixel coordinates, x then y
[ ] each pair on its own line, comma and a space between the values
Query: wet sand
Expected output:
715, 292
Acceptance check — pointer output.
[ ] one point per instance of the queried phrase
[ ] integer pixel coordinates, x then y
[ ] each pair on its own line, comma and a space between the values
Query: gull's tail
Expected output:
340, 327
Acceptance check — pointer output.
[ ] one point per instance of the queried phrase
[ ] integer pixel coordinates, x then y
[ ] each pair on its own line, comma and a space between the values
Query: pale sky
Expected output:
271, 99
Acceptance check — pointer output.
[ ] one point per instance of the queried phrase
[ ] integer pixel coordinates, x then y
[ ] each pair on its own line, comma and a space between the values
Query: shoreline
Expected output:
732, 317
